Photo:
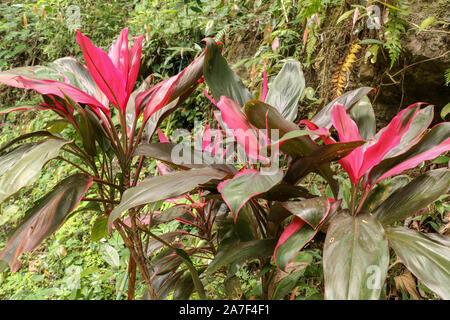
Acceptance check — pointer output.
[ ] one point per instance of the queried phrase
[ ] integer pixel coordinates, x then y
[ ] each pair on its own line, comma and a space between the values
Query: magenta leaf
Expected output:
310, 214
389, 138
348, 131
107, 76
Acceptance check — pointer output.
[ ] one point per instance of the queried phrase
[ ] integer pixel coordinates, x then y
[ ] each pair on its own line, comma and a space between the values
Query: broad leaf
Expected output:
182, 156
328, 153
261, 115
432, 144
241, 252
47, 215
245, 185
220, 78
285, 282
167, 91
22, 166
284, 192
297, 234
164, 187
312, 211
154, 245
170, 214
427, 256
293, 239
355, 258
348, 99
110, 255
364, 116
286, 89
99, 229
417, 127
416, 195
383, 190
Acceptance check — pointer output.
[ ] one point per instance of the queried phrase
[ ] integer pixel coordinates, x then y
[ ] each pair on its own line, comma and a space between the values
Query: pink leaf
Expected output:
348, 131
264, 92
389, 138
292, 228
108, 78
162, 137
118, 53
44, 86
134, 64
243, 131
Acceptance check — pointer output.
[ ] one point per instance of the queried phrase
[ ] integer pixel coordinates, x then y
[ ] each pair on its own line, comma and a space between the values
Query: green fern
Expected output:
393, 31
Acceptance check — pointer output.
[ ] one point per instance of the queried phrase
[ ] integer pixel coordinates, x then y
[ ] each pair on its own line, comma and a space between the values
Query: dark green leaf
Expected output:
45, 217
382, 191
364, 116
286, 90
182, 157
312, 211
22, 166
245, 185
164, 187
427, 256
287, 249
220, 78
355, 258
416, 195
241, 252
348, 99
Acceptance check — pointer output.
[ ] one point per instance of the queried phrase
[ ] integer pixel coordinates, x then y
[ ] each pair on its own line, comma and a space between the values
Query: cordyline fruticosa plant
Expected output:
237, 212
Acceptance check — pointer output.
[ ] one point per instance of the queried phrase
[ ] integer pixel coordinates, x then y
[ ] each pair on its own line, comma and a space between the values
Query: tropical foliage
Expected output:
239, 195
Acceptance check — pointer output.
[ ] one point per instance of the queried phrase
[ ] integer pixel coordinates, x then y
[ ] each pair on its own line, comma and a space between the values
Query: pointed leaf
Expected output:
383, 190
312, 211
389, 138
348, 99
417, 127
432, 144
108, 78
355, 258
220, 78
243, 132
293, 239
47, 215
22, 166
287, 88
416, 195
241, 252
163, 187
364, 116
78, 76
245, 185
165, 92
194, 159
348, 131
427, 256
